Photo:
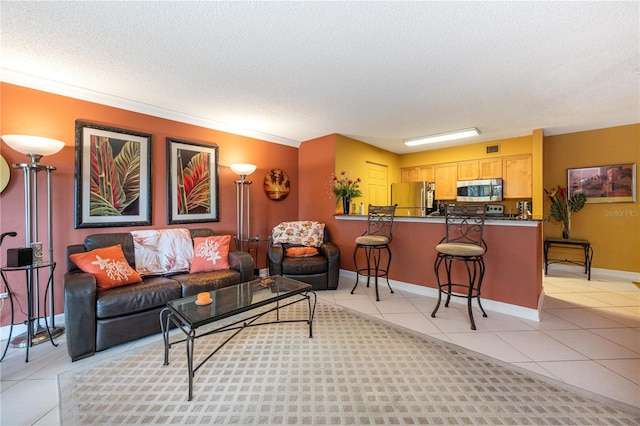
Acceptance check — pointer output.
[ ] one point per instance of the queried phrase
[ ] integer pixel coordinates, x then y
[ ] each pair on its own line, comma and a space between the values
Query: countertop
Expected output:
504, 220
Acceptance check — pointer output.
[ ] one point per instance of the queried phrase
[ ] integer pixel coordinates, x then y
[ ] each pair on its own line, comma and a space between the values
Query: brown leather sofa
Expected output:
95, 321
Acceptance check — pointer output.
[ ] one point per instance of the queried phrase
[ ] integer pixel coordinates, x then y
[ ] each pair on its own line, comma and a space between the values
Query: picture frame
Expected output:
614, 183
192, 182
112, 176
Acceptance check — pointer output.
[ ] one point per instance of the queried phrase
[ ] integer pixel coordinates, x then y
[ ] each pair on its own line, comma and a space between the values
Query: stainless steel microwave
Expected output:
479, 190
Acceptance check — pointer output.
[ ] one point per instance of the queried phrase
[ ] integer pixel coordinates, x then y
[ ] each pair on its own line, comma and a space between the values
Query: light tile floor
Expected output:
589, 336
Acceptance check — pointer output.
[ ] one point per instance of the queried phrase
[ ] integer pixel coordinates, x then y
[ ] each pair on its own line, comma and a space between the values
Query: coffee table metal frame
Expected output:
180, 312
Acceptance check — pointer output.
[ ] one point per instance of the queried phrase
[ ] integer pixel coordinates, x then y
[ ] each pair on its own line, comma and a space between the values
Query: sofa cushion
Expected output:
207, 281
151, 293
210, 254
304, 265
108, 265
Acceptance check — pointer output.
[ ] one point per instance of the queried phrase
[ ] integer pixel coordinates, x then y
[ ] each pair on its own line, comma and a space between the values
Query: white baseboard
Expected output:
487, 304
596, 273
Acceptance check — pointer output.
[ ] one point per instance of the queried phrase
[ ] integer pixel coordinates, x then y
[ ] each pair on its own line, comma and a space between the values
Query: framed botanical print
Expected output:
192, 182
112, 176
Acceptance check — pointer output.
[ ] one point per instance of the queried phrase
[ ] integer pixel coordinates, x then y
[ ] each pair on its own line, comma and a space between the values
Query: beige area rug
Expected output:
356, 370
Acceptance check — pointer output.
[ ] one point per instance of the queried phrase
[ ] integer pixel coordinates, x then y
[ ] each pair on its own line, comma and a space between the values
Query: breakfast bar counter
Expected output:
514, 257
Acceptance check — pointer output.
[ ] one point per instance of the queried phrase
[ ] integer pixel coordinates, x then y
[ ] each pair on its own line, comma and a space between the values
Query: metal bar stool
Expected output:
375, 239
462, 242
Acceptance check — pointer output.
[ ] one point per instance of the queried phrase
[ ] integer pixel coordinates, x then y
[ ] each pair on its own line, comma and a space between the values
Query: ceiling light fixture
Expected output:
441, 137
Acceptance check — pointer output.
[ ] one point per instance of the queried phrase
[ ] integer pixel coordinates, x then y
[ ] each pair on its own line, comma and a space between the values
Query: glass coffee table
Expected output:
271, 294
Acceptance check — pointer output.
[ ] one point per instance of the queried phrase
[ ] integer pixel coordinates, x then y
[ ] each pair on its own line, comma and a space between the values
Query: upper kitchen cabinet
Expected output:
517, 175
417, 174
489, 168
408, 174
426, 174
446, 179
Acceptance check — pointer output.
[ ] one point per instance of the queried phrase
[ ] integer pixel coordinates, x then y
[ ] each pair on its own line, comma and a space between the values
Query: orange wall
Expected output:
28, 111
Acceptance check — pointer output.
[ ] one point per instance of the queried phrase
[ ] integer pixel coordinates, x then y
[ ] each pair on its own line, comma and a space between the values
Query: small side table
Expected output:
33, 333
583, 245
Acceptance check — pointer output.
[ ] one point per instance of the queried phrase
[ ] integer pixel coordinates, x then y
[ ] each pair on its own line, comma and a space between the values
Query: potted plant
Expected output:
562, 206
347, 189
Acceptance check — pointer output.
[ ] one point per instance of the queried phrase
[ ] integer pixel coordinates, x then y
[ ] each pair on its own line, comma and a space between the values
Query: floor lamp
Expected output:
35, 148
243, 191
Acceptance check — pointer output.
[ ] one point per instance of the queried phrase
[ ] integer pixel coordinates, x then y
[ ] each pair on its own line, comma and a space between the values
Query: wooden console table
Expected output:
583, 245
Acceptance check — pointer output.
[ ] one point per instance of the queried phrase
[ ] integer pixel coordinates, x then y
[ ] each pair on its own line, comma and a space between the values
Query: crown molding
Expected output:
63, 89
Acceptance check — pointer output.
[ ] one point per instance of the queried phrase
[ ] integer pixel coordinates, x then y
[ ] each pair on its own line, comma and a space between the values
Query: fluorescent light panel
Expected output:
442, 137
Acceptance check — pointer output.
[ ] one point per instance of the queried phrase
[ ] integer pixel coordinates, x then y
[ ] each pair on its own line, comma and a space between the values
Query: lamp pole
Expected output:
243, 191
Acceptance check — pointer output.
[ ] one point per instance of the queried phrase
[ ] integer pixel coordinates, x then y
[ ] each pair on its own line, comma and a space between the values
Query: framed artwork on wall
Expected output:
604, 184
276, 184
192, 182
112, 176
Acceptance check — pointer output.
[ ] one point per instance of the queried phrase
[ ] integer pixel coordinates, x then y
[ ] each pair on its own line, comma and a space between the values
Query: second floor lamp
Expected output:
243, 204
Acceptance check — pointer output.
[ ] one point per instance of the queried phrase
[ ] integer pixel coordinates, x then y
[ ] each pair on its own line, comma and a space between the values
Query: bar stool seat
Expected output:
375, 239
462, 243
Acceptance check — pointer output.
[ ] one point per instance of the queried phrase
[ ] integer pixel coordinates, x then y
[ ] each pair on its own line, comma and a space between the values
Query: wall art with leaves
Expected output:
192, 184
112, 176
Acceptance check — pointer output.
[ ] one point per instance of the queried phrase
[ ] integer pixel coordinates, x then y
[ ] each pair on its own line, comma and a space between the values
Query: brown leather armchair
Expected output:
321, 270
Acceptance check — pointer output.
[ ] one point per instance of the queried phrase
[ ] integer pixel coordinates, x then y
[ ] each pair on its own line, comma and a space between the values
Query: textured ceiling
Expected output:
379, 72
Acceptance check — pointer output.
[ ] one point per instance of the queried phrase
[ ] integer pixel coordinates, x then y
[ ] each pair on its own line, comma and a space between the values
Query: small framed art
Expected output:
192, 182
112, 176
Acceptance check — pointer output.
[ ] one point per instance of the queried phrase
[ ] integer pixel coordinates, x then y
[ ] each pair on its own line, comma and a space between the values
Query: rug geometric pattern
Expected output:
355, 370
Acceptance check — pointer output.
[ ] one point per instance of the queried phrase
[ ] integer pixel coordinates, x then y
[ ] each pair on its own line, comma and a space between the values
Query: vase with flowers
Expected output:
562, 206
347, 189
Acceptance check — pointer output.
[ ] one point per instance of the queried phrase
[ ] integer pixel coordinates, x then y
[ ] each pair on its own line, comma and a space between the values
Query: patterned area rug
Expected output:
356, 370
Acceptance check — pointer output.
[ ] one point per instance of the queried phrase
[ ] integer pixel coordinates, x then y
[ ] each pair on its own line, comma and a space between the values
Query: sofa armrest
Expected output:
332, 253
275, 254
80, 314
243, 262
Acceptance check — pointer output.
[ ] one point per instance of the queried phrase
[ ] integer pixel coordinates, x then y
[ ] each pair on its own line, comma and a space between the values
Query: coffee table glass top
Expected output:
229, 301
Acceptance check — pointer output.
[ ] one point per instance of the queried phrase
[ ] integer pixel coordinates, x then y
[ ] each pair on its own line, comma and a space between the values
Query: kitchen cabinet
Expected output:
488, 168
446, 177
417, 174
426, 174
517, 177
468, 170
408, 174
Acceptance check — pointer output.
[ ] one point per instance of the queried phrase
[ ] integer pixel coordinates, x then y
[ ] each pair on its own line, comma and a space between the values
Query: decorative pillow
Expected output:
305, 233
210, 253
302, 251
108, 265
162, 251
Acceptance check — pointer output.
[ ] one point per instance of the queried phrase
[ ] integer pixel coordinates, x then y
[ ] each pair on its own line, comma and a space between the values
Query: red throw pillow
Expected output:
210, 253
108, 265
301, 251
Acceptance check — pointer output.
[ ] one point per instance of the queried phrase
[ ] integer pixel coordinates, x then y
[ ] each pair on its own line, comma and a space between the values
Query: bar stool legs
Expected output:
475, 273
372, 254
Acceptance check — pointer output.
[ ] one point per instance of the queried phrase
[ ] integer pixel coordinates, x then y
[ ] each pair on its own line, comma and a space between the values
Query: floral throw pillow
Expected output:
306, 233
162, 251
210, 253
108, 265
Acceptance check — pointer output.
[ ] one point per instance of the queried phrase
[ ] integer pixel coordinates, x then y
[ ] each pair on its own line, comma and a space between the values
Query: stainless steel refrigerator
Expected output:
414, 198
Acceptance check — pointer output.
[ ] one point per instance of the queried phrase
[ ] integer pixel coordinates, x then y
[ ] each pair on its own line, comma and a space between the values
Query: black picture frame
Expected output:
192, 182
112, 176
